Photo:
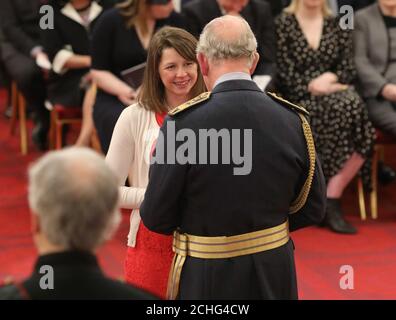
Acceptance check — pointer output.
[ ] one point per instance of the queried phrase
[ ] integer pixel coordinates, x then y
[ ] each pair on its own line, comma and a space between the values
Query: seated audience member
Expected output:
68, 48
375, 58
120, 41
315, 70
19, 20
257, 13
73, 196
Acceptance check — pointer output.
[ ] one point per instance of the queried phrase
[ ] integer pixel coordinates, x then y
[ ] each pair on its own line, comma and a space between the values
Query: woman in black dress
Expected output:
316, 70
120, 41
68, 48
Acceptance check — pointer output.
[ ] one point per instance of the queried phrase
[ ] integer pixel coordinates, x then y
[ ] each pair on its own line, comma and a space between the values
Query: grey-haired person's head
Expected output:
227, 37
75, 197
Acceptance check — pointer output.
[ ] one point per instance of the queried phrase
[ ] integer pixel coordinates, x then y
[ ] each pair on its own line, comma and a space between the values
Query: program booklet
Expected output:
134, 76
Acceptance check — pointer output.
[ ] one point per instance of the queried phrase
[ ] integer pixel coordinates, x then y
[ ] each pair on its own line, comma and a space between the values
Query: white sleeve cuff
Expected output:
60, 59
134, 222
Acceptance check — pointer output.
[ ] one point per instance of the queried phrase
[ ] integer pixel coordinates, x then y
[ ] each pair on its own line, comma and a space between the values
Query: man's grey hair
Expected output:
218, 42
75, 195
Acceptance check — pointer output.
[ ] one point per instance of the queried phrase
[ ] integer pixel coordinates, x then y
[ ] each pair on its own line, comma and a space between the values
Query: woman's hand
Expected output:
127, 97
325, 84
108, 82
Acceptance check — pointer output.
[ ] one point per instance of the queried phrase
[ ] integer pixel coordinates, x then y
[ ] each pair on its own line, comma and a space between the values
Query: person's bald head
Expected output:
227, 37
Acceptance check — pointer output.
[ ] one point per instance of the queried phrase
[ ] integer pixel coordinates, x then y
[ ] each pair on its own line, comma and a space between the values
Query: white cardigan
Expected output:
129, 154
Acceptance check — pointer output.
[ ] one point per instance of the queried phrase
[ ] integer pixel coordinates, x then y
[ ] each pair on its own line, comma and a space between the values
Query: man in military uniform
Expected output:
231, 232
73, 196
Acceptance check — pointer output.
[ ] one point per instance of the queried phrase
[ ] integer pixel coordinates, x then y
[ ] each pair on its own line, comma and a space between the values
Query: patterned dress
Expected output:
339, 120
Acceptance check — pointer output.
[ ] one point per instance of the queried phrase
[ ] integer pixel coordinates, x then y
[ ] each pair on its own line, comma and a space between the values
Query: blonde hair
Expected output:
292, 8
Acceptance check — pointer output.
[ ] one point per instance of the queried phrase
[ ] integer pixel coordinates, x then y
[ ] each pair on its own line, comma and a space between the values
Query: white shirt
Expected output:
232, 76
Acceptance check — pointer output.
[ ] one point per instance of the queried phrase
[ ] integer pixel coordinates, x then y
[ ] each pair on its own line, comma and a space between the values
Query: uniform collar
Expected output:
232, 76
237, 85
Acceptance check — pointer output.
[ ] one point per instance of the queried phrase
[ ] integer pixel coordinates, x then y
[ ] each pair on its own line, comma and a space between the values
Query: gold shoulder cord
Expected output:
302, 197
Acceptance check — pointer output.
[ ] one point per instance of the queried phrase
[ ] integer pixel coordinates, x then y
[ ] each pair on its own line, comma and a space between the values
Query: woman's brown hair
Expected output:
152, 93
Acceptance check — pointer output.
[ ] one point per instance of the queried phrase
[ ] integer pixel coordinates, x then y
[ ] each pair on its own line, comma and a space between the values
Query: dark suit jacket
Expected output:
257, 13
209, 200
371, 44
77, 275
20, 23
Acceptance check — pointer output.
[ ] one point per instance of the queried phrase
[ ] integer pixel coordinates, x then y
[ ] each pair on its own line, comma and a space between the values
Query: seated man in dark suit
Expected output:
375, 59
20, 25
73, 197
257, 13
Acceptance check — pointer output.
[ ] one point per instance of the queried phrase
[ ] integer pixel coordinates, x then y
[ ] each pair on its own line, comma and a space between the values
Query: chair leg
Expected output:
58, 139
22, 124
374, 185
362, 205
52, 130
14, 105
95, 143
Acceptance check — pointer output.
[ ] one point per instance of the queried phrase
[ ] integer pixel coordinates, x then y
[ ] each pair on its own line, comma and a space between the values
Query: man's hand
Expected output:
389, 92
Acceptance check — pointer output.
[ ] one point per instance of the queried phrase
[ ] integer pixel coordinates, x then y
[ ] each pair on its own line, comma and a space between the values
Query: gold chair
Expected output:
381, 141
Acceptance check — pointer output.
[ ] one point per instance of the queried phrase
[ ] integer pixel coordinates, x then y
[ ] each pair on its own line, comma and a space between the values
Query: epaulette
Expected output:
288, 104
202, 97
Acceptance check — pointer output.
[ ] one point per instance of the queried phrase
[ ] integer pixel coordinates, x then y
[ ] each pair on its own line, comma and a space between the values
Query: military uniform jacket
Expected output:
209, 200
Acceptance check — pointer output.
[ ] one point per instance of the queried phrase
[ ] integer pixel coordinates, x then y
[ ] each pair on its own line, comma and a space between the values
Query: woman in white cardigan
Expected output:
171, 78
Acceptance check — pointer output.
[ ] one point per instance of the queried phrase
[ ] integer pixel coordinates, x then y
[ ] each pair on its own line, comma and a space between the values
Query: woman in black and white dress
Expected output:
316, 71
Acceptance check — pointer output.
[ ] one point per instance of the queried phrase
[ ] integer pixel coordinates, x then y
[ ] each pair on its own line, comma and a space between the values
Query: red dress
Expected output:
147, 265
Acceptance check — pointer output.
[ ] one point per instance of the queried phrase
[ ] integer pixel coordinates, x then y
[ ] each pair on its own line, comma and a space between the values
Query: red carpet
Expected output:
319, 252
